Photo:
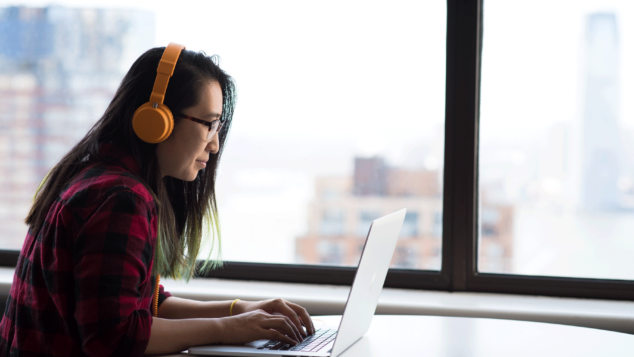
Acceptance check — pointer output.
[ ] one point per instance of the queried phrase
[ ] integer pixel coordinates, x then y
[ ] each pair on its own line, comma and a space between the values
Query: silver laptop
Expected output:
357, 314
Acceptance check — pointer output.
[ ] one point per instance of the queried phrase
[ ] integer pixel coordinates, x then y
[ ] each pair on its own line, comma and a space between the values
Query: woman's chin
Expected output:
186, 176
191, 177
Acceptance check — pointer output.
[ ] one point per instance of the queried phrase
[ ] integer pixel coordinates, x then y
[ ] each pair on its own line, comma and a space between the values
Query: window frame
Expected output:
460, 199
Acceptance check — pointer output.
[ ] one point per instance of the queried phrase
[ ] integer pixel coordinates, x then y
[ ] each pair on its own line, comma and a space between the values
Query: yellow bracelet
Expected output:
231, 308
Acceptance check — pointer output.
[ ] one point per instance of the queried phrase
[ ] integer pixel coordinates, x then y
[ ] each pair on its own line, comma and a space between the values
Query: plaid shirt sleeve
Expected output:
112, 258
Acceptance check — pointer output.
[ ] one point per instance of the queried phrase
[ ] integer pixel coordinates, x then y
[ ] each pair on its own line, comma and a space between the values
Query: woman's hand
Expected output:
257, 325
297, 314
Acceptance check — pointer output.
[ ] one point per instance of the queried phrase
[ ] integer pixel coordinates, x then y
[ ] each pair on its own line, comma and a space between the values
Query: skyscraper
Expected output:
59, 69
601, 147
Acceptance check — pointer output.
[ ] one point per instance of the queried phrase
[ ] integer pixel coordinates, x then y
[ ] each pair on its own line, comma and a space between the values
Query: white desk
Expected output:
435, 336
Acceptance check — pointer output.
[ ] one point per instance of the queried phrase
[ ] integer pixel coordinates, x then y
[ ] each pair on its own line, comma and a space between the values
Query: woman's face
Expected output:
186, 150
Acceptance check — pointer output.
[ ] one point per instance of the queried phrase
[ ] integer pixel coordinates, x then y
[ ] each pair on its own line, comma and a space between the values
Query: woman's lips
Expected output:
202, 163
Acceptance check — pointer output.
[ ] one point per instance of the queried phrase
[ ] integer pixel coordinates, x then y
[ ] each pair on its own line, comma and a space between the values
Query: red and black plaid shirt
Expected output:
83, 285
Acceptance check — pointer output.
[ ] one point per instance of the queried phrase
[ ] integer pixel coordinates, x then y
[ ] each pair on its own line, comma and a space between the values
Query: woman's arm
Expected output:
169, 336
109, 260
177, 308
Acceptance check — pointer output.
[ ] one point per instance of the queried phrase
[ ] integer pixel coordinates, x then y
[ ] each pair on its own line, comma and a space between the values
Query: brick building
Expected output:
344, 207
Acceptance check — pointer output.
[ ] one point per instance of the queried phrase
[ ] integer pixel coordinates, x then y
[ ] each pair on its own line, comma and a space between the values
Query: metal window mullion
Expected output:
461, 115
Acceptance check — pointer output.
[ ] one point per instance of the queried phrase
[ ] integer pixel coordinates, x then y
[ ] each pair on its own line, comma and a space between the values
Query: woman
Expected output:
117, 212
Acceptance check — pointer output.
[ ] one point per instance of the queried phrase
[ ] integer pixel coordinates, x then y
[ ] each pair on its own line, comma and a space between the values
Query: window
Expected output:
336, 141
330, 252
467, 120
406, 257
556, 156
333, 223
410, 225
364, 222
437, 225
317, 142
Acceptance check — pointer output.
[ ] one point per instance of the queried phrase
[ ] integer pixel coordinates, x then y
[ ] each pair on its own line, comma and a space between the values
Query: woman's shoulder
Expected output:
100, 181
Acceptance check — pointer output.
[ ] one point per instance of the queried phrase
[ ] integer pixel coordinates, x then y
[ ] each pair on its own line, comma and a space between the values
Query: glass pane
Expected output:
339, 120
556, 172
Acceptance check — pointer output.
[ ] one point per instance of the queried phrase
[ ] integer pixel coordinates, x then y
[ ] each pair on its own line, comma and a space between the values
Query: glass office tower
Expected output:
601, 145
59, 69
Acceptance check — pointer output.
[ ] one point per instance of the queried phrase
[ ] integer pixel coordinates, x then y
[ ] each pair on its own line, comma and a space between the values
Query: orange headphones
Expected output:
153, 122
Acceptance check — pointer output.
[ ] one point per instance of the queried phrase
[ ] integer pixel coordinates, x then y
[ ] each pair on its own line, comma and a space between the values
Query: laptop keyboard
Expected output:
312, 343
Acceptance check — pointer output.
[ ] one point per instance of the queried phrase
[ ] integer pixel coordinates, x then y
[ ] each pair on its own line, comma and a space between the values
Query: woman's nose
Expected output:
213, 146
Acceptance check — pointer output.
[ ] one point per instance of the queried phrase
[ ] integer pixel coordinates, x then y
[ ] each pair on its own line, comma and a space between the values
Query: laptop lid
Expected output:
368, 281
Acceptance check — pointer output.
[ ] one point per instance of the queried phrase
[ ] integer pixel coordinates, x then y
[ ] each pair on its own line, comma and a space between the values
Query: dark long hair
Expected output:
185, 209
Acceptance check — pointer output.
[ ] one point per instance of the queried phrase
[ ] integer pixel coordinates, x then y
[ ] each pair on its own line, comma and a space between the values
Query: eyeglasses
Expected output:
213, 126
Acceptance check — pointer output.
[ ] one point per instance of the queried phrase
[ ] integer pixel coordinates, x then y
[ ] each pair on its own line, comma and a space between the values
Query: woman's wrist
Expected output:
232, 307
238, 307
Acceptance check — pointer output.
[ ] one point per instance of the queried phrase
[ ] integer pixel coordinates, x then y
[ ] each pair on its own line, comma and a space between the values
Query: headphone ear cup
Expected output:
153, 125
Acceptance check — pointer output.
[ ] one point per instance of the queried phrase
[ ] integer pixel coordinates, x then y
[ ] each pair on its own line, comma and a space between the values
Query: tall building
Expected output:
601, 147
344, 207
59, 69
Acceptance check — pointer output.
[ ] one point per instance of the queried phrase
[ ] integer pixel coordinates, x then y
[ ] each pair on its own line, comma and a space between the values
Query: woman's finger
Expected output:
290, 323
289, 312
282, 324
298, 329
275, 335
304, 316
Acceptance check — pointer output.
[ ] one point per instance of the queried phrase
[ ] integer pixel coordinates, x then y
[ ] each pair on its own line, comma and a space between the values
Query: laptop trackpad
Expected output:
257, 343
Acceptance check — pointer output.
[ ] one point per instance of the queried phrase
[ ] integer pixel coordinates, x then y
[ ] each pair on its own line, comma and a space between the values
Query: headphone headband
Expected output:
164, 72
